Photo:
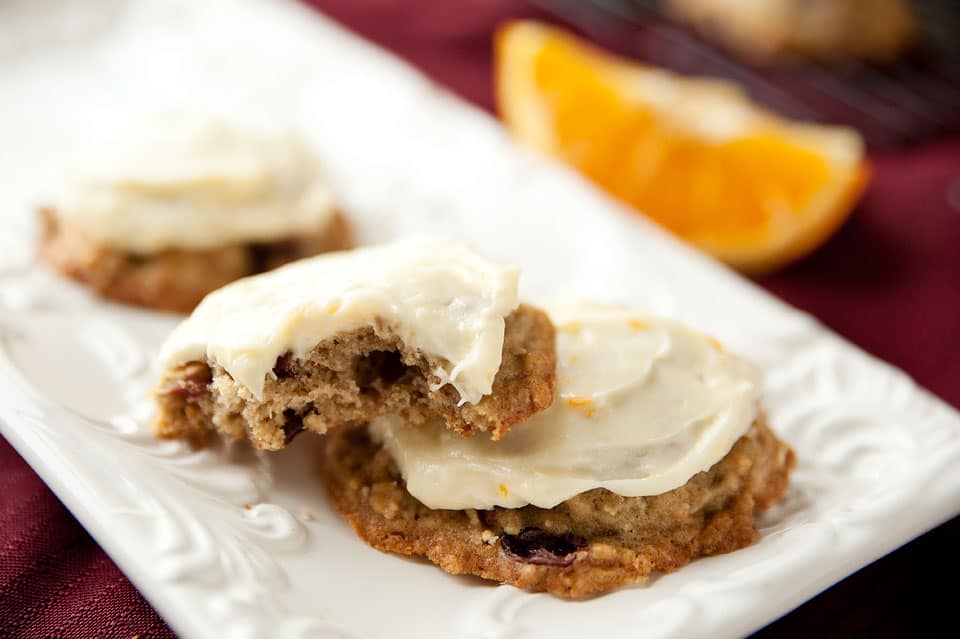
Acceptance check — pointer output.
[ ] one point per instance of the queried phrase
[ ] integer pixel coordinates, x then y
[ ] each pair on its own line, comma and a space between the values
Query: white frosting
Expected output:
190, 184
437, 295
643, 405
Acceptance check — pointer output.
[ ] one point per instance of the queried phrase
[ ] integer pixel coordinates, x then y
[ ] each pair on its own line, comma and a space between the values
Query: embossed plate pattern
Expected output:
228, 543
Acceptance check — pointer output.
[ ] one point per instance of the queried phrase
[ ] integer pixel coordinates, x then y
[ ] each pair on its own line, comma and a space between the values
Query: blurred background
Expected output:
890, 68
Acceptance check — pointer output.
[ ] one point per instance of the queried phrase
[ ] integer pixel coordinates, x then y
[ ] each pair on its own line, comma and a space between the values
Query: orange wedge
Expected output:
696, 155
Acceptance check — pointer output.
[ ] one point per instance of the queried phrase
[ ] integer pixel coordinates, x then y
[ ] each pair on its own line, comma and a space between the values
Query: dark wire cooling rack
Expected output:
914, 99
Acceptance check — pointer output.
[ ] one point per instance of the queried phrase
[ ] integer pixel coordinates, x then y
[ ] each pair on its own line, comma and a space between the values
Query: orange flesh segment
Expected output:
745, 190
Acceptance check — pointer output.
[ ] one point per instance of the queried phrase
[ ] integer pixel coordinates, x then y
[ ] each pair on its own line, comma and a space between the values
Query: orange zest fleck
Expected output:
584, 404
579, 402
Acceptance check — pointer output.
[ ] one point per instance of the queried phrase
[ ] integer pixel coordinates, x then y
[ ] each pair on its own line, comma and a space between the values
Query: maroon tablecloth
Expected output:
889, 281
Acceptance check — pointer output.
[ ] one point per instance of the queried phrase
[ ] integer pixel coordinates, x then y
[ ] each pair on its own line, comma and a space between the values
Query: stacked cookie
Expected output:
421, 328
569, 450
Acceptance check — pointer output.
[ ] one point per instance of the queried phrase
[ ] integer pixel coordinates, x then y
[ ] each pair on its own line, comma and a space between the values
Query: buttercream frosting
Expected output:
643, 404
194, 185
437, 295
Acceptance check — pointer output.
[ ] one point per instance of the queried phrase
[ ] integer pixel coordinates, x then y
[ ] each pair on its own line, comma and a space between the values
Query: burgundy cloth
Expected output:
889, 281
54, 580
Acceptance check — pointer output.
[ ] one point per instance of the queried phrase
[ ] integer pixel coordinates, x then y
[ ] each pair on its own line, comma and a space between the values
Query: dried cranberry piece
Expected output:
283, 367
187, 390
488, 517
192, 382
292, 427
536, 546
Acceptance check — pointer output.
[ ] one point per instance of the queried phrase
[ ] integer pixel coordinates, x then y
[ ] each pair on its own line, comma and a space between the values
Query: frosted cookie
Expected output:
423, 327
829, 30
654, 452
187, 207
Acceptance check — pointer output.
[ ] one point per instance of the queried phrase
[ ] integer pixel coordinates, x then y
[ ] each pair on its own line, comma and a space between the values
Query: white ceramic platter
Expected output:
226, 543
